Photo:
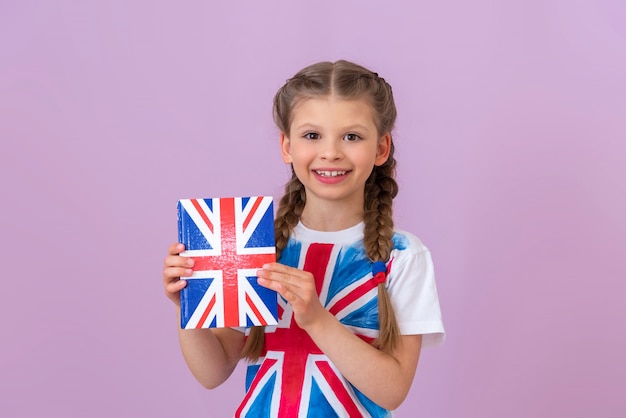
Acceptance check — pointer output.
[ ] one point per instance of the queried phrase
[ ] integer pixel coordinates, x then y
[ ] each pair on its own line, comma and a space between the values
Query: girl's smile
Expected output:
331, 176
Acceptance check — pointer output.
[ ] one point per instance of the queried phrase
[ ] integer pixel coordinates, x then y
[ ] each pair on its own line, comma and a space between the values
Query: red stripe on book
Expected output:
257, 313
257, 203
202, 214
206, 312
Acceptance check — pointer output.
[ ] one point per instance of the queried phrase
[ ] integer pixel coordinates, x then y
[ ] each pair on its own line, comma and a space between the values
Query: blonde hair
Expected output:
345, 80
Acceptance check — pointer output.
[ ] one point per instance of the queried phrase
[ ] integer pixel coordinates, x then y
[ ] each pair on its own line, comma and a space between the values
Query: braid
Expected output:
380, 189
289, 211
288, 215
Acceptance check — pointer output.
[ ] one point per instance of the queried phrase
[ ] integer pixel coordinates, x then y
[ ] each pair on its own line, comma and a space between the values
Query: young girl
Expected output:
357, 297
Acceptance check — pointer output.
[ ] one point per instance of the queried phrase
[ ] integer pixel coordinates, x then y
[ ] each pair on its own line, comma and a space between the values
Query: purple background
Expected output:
511, 144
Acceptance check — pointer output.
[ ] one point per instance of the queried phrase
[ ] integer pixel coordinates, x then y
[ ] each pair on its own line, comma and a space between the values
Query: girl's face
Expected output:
333, 145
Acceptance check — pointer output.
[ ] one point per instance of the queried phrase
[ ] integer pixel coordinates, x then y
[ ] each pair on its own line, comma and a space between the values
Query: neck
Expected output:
329, 218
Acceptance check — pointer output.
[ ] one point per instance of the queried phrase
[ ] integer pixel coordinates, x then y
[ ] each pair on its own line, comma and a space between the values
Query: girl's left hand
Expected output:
297, 287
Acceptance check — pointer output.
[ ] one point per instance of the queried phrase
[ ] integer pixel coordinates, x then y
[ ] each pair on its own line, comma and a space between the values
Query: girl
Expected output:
358, 298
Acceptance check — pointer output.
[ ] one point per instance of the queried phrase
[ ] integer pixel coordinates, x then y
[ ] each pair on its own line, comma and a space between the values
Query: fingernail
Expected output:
190, 261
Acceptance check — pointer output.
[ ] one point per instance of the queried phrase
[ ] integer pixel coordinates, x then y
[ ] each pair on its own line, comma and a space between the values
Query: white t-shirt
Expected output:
294, 378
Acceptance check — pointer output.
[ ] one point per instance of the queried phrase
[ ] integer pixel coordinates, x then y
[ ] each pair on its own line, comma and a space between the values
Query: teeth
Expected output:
330, 173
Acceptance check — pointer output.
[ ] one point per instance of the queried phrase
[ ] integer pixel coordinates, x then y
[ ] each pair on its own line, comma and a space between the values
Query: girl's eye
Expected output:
312, 135
351, 137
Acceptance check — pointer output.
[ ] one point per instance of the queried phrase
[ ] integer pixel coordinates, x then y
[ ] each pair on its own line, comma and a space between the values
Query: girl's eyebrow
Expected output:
307, 126
355, 127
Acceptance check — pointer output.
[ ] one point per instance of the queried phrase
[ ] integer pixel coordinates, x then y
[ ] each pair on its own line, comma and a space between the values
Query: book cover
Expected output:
229, 239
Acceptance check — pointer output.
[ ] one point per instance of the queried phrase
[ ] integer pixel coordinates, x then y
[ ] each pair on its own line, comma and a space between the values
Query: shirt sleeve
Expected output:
413, 294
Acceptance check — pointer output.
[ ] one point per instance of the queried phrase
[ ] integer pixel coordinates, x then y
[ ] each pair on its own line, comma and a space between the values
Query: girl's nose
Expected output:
331, 150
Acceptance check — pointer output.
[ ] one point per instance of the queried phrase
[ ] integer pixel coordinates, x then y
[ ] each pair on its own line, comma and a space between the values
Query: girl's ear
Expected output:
383, 149
285, 148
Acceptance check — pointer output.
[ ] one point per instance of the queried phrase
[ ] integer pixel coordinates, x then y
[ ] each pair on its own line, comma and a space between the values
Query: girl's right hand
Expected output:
176, 266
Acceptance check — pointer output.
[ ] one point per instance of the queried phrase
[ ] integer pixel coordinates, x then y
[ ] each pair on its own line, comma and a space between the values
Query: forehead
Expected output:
332, 112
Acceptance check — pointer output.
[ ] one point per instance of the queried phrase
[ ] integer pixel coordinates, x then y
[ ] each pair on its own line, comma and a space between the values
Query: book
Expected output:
229, 239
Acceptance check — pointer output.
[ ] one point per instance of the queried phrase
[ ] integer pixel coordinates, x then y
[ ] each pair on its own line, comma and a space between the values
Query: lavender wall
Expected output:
512, 150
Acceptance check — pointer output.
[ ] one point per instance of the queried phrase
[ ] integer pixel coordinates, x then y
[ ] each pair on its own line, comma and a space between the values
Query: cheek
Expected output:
366, 157
300, 162
302, 155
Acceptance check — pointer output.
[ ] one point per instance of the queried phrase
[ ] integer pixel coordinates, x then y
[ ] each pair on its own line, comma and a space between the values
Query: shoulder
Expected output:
407, 243
410, 256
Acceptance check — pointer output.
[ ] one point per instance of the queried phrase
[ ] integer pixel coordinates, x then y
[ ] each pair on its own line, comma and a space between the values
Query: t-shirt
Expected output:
293, 377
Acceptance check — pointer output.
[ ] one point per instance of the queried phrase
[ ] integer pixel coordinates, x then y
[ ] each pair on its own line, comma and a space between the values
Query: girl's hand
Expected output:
297, 287
175, 266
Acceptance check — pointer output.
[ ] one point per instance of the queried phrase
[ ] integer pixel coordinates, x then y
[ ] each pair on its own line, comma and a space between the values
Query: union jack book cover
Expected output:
229, 238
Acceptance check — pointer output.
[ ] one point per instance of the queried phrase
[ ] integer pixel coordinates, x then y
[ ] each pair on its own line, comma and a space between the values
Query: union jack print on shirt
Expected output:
294, 378
229, 240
